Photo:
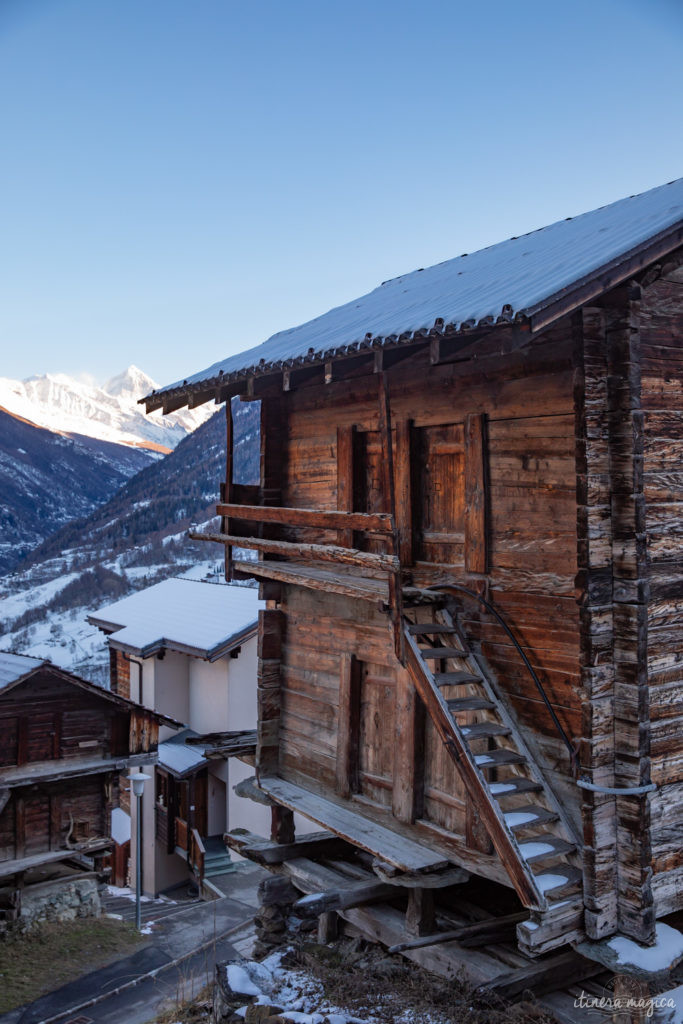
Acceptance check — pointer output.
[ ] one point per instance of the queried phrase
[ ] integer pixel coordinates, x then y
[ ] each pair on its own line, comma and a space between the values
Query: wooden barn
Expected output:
469, 532
63, 744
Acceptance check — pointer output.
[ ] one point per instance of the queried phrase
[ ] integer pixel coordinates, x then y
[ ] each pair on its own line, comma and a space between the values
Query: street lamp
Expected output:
138, 785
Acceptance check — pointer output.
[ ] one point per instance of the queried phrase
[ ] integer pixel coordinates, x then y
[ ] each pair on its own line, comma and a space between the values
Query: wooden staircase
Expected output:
524, 820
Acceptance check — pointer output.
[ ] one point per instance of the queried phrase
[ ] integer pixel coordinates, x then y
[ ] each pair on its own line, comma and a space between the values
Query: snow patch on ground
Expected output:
666, 951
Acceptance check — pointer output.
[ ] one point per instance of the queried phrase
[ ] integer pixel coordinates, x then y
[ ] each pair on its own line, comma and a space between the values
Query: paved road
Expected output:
196, 932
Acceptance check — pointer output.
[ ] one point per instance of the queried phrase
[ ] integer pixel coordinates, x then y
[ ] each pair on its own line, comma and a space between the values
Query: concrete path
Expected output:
182, 952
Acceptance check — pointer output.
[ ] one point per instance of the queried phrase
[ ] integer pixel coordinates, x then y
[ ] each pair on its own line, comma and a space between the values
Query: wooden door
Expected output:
368, 485
439, 494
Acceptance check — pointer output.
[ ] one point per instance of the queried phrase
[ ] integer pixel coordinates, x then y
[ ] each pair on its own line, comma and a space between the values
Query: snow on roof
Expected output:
14, 666
191, 616
512, 279
178, 758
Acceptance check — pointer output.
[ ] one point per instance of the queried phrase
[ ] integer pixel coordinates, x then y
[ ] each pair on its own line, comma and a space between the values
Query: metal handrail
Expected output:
571, 748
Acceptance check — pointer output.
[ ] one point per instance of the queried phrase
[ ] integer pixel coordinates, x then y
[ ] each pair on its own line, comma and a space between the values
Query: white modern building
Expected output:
187, 649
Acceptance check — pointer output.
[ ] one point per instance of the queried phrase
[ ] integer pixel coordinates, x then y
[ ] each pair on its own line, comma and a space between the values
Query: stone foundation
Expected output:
57, 900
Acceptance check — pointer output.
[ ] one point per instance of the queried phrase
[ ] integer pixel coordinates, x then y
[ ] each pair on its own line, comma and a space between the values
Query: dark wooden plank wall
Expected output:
528, 404
45, 719
37, 819
661, 330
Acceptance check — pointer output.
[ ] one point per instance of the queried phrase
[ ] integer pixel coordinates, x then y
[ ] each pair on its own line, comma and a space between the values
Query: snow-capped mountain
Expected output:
108, 413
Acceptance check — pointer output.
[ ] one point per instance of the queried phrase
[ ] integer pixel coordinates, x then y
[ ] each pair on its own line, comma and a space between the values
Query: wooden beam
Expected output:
409, 716
482, 933
226, 489
542, 976
395, 595
348, 727
320, 578
404, 496
263, 851
281, 824
476, 497
352, 895
4, 798
345, 496
420, 918
377, 522
320, 552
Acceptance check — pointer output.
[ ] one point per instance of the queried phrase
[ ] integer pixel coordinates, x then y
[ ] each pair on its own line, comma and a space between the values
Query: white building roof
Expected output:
14, 666
513, 280
202, 619
179, 758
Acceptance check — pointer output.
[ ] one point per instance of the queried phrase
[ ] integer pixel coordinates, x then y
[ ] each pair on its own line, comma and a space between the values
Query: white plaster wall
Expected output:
242, 670
171, 686
208, 695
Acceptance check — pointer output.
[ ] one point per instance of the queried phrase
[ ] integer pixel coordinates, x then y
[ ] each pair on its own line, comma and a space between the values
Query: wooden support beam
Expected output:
328, 928
543, 976
263, 851
348, 727
420, 919
281, 824
404, 497
409, 718
482, 933
377, 522
226, 488
352, 895
345, 496
476, 496
395, 593
315, 552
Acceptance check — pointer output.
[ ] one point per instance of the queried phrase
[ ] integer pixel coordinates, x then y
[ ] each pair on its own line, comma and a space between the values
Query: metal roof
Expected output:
513, 280
190, 616
16, 666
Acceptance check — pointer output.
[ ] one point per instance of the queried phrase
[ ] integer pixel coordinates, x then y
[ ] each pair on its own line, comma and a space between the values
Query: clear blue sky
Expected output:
182, 178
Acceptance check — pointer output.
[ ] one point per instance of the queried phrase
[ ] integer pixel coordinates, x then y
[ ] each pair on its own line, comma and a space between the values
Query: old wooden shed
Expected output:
469, 526
63, 744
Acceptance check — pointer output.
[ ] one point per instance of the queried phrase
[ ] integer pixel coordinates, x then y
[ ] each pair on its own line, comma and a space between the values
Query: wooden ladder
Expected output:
524, 820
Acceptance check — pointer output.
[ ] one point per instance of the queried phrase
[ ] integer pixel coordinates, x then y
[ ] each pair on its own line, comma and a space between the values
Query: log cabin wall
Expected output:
661, 334
520, 550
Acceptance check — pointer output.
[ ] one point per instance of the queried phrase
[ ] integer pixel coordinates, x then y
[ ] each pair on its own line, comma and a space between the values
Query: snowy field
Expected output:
65, 637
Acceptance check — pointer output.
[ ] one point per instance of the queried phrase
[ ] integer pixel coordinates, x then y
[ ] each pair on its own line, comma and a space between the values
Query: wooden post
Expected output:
348, 725
281, 824
420, 918
395, 592
404, 497
226, 489
476, 496
345, 444
409, 716
270, 636
328, 927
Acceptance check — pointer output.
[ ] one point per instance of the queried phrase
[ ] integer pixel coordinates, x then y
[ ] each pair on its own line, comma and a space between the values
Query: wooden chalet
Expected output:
63, 744
469, 527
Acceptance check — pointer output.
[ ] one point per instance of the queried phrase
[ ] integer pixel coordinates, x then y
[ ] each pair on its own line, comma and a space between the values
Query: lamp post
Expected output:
138, 784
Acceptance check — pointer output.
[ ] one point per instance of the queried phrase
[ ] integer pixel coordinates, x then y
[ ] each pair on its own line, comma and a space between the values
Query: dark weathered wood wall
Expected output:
661, 339
527, 560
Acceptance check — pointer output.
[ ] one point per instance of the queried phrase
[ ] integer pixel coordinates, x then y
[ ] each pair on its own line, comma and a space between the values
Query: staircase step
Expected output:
495, 758
442, 652
428, 628
559, 881
455, 678
543, 846
528, 816
510, 787
456, 704
482, 730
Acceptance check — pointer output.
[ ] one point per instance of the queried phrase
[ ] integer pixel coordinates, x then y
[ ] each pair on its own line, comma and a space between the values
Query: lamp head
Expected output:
138, 782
